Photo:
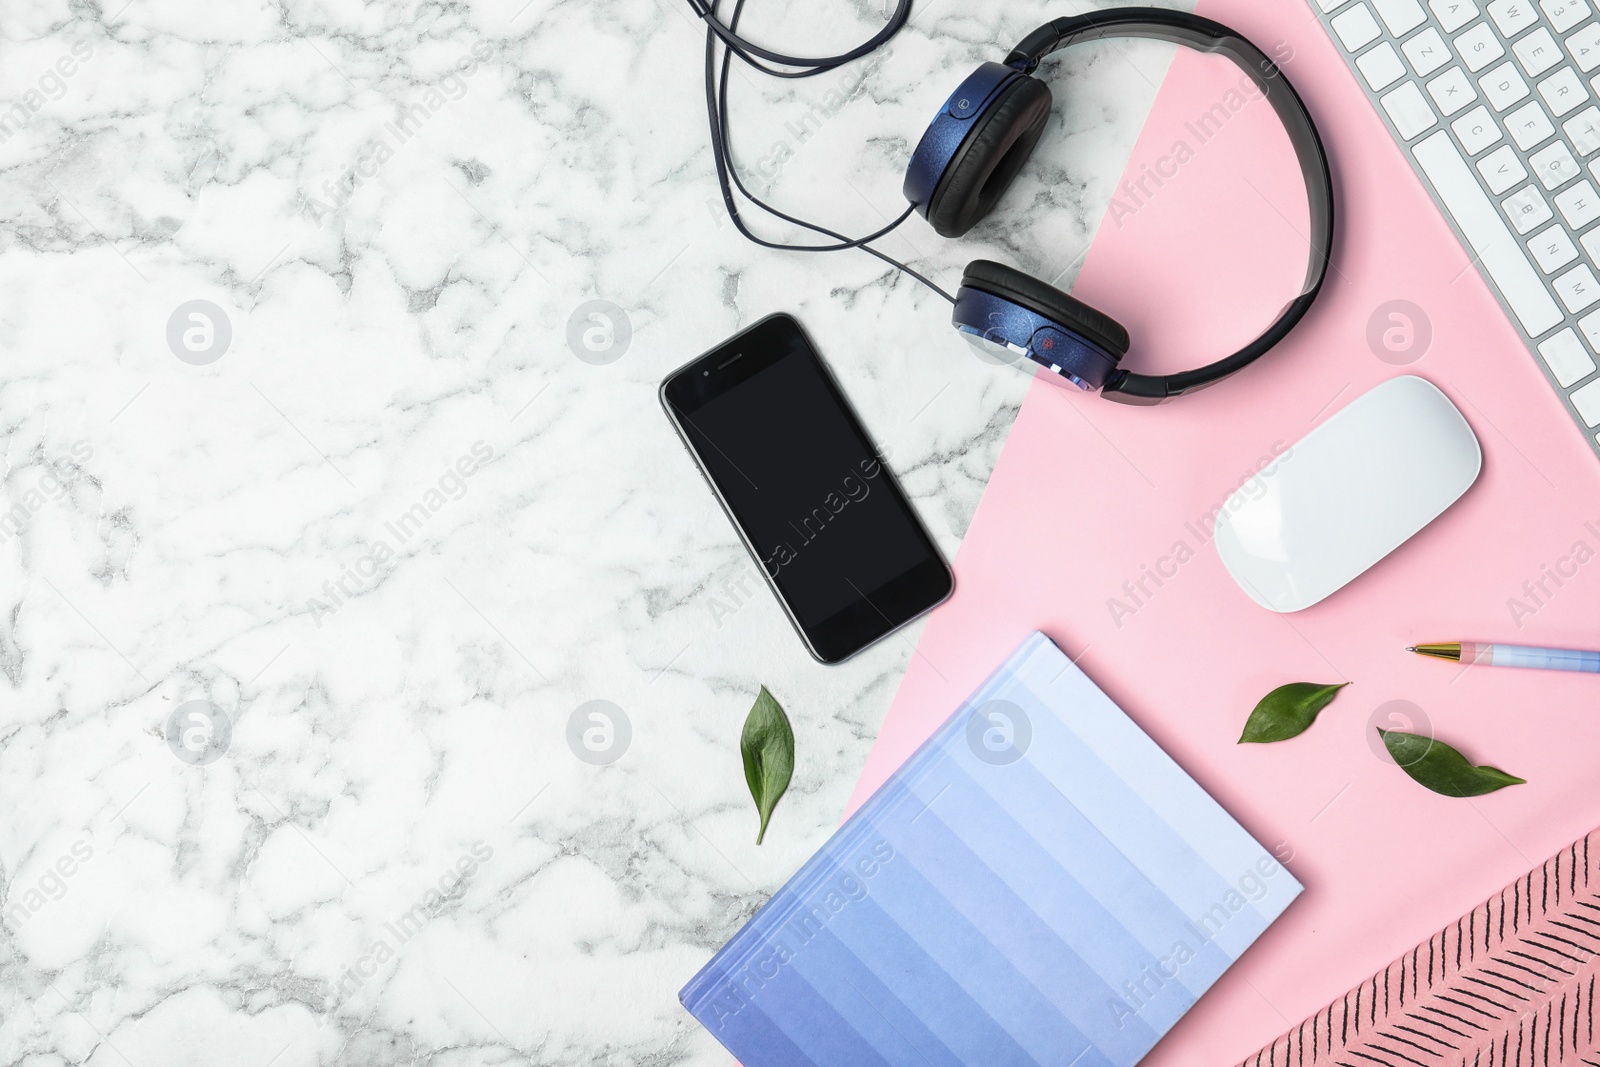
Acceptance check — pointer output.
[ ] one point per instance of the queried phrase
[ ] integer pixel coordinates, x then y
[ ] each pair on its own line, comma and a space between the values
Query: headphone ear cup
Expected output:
1044, 299
1002, 138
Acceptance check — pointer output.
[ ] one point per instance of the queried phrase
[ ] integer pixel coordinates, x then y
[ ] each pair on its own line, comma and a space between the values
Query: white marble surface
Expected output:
400, 692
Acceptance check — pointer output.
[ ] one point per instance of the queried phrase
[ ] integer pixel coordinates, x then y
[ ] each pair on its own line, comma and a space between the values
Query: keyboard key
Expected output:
1476, 130
1527, 209
1565, 356
1563, 91
1579, 205
1554, 166
1585, 47
1479, 47
1356, 27
1587, 401
1427, 52
1503, 257
1382, 67
1590, 325
1591, 245
1408, 111
1513, 16
1453, 14
1452, 91
1564, 14
1501, 169
1583, 130
1529, 126
1577, 289
1537, 52
1401, 16
1503, 86
1553, 249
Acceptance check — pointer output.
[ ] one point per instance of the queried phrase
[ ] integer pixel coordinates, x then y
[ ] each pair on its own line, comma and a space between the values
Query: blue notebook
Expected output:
1038, 884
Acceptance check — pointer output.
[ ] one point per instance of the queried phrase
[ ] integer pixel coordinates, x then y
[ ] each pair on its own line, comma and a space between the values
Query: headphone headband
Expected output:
1204, 35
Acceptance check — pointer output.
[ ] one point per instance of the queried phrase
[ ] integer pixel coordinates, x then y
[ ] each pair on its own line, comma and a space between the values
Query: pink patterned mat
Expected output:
1511, 982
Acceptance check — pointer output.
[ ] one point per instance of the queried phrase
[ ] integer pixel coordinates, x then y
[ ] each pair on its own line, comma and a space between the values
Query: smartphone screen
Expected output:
806, 488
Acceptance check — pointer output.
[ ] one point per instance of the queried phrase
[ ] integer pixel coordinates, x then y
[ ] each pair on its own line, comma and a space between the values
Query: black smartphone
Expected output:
810, 495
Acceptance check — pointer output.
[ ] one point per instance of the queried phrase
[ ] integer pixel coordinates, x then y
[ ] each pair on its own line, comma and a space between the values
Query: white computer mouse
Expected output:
1349, 493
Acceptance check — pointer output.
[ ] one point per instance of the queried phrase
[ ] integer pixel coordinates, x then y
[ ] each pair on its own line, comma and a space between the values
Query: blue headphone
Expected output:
979, 143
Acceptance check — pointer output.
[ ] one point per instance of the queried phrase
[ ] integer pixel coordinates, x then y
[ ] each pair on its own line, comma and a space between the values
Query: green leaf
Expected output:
1287, 711
1441, 768
768, 749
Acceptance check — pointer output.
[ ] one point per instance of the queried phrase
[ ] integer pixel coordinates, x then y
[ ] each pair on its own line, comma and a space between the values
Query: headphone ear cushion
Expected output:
1011, 284
990, 157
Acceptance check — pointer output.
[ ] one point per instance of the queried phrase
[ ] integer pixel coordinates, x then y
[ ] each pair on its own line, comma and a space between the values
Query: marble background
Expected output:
372, 507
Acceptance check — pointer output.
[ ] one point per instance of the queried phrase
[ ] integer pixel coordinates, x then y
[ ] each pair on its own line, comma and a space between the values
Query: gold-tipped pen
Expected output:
1450, 651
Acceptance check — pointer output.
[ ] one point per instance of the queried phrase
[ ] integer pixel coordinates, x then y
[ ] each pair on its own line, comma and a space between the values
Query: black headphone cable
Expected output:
728, 177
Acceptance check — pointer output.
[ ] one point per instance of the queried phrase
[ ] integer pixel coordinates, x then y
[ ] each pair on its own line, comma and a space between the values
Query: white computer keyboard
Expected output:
1498, 106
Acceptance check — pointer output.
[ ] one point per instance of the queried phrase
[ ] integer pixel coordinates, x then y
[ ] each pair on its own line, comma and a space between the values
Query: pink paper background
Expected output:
1087, 493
